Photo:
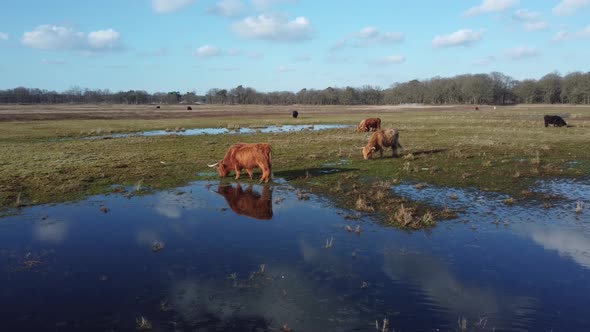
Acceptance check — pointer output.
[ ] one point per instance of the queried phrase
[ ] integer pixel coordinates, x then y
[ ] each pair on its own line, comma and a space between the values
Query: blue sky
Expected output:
276, 45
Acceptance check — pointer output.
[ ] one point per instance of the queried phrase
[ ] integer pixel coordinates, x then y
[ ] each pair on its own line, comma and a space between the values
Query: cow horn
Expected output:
213, 165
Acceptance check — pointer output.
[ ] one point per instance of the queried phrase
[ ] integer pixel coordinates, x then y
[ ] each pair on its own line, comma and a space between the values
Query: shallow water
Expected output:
219, 131
91, 265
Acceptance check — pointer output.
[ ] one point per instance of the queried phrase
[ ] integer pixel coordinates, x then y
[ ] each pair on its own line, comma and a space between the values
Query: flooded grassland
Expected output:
128, 231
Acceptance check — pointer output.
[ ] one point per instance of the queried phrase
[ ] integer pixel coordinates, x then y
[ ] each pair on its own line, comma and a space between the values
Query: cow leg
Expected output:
250, 172
265, 173
396, 148
238, 170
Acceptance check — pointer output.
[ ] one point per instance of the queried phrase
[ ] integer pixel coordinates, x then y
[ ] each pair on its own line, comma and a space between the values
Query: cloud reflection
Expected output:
50, 231
568, 243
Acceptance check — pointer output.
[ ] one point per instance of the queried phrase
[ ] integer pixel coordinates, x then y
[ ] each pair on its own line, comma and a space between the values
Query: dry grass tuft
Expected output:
363, 205
428, 219
403, 216
408, 156
448, 213
579, 207
536, 160
509, 201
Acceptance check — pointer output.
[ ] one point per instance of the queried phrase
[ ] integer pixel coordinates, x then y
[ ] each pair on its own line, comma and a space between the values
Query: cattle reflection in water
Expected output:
248, 202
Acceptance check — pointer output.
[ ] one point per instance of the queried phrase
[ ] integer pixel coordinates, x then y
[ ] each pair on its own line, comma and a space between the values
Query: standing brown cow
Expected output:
248, 202
380, 140
369, 125
248, 156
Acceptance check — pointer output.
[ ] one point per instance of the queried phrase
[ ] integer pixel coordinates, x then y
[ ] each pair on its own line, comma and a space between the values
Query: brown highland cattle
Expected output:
248, 156
369, 124
380, 140
248, 202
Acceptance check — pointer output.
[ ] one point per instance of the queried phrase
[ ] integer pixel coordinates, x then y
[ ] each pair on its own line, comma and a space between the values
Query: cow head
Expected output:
368, 152
222, 168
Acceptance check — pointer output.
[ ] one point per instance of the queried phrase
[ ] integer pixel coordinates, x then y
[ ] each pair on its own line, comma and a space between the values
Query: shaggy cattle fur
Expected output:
248, 156
555, 120
248, 202
369, 125
380, 140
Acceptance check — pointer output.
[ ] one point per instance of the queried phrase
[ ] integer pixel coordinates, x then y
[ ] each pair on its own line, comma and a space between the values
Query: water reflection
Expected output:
50, 231
567, 242
482, 305
248, 202
220, 131
72, 267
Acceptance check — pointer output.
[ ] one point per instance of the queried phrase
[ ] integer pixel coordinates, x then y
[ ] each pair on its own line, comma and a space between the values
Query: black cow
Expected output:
157, 106
295, 114
189, 108
554, 120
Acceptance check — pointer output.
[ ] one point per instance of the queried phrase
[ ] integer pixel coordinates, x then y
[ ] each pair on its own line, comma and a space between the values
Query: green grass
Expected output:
504, 150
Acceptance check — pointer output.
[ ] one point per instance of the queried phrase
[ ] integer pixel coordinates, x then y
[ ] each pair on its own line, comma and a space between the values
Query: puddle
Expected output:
252, 257
236, 131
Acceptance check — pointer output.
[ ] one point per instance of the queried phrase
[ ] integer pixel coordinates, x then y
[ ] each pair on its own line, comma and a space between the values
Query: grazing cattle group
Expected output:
370, 124
381, 139
555, 120
259, 155
248, 202
248, 156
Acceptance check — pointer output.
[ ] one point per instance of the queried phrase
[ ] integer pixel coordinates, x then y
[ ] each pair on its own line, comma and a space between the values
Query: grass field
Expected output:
43, 158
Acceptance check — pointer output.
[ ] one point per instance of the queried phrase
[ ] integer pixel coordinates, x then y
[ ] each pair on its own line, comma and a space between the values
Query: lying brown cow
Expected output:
369, 125
380, 140
248, 156
248, 202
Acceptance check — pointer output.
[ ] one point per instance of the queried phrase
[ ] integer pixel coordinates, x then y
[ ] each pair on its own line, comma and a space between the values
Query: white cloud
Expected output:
169, 6
3, 36
303, 58
522, 52
207, 51
283, 69
104, 39
534, 26
569, 7
53, 37
50, 37
275, 28
463, 37
562, 35
255, 55
389, 60
53, 62
371, 36
234, 52
488, 6
485, 61
531, 21
584, 33
228, 8
266, 4
524, 15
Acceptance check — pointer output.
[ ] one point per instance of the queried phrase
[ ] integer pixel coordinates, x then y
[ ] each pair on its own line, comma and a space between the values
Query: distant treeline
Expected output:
493, 88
